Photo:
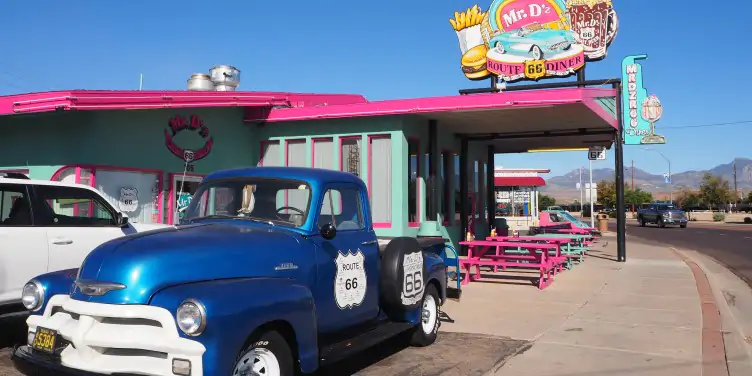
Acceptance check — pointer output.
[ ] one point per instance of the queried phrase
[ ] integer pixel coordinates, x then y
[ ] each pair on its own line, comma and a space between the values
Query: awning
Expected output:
519, 181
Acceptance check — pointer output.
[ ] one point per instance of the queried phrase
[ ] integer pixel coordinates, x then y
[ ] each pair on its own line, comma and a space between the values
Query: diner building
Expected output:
413, 154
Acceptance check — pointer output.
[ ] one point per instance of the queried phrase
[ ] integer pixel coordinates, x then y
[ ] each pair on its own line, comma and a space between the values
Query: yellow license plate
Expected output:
44, 340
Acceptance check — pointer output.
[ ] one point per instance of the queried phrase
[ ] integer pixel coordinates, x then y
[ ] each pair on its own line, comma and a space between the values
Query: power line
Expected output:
708, 125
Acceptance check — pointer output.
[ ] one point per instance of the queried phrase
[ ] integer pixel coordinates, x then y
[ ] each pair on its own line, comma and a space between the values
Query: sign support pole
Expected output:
590, 193
621, 220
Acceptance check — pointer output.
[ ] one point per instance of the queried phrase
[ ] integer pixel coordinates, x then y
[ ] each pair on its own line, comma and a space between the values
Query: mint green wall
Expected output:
338, 128
45, 142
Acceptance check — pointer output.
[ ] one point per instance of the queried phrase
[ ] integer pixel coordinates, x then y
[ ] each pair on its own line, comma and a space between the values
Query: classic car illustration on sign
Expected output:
533, 39
285, 275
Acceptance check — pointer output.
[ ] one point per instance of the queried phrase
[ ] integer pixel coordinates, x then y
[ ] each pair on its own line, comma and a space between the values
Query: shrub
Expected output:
612, 214
718, 217
747, 220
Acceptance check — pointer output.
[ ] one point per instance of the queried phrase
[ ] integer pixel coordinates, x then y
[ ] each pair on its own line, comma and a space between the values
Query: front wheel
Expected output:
268, 355
427, 330
683, 226
660, 223
642, 221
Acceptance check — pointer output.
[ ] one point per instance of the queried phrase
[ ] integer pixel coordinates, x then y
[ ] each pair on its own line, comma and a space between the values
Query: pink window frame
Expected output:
419, 192
263, 146
339, 151
93, 181
171, 193
370, 176
287, 156
447, 195
313, 148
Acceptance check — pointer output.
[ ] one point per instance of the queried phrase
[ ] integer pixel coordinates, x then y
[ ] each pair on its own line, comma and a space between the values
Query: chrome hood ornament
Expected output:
95, 288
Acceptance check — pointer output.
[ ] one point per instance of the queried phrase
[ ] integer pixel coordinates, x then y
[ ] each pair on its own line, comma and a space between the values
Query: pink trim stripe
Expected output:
370, 176
129, 100
513, 99
418, 191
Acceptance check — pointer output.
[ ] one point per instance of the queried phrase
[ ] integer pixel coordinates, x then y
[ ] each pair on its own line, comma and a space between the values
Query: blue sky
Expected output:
381, 49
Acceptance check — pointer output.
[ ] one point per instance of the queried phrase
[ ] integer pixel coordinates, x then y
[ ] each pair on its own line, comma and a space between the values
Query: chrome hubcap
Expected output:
258, 362
429, 314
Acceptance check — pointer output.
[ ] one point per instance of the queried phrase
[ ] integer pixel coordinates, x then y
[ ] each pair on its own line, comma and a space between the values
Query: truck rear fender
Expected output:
236, 308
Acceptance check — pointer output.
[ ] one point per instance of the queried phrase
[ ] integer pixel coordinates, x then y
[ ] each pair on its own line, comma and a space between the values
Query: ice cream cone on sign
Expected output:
473, 46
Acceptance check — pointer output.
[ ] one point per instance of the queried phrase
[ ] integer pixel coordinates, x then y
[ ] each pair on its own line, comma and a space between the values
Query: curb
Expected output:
713, 347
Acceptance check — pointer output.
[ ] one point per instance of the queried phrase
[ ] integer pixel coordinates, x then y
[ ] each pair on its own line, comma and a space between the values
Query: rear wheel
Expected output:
269, 355
427, 330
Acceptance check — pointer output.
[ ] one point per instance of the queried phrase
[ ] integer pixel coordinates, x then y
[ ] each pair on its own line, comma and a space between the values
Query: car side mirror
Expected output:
328, 231
121, 219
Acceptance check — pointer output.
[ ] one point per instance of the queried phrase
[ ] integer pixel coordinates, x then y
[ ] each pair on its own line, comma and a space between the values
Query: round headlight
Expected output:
32, 296
191, 317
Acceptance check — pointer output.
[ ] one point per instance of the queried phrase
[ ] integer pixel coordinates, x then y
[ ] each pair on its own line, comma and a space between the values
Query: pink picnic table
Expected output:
558, 259
478, 249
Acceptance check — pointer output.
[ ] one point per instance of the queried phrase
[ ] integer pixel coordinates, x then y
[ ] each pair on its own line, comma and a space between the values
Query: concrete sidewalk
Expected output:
642, 317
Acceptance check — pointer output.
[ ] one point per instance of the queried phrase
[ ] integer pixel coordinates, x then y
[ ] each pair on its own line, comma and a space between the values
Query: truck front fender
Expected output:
236, 308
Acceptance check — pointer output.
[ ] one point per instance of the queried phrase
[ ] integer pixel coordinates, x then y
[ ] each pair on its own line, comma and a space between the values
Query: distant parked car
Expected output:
662, 215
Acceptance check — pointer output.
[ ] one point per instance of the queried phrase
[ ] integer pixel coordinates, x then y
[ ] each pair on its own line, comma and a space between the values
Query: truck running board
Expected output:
343, 349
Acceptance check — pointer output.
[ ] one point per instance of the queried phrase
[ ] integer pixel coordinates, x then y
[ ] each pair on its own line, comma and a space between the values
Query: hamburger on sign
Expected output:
533, 39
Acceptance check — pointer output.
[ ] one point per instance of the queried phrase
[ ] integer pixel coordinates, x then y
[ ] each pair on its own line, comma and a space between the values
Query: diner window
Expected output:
350, 154
342, 209
295, 153
323, 154
270, 154
380, 179
413, 182
15, 209
134, 192
429, 188
446, 190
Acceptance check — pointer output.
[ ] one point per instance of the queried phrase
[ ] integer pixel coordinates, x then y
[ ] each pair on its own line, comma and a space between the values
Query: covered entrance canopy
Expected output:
564, 115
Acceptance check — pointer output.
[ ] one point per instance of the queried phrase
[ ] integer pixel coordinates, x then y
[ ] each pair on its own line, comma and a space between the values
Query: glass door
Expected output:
183, 189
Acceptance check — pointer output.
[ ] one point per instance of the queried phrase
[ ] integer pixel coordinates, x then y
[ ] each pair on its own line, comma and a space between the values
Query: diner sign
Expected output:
533, 39
639, 111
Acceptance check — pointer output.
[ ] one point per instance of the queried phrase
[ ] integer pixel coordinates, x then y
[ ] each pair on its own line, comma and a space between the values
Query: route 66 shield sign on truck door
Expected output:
350, 282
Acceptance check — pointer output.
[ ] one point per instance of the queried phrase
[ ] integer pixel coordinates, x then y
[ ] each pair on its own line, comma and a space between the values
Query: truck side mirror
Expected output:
121, 219
328, 231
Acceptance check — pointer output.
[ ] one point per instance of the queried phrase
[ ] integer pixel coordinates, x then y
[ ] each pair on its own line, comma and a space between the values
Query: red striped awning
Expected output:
519, 181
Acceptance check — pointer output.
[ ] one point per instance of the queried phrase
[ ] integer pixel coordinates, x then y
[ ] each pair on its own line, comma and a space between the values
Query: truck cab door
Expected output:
347, 290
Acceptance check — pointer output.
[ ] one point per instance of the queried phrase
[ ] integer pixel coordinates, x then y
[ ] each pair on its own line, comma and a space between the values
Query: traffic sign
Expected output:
597, 153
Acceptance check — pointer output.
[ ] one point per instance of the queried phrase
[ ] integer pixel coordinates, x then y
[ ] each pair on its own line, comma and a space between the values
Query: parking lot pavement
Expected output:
451, 355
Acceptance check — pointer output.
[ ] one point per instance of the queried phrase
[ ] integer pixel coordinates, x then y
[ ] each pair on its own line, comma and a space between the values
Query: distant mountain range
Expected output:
564, 187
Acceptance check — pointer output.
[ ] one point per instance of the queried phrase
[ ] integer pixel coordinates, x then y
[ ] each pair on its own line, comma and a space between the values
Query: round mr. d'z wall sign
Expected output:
194, 123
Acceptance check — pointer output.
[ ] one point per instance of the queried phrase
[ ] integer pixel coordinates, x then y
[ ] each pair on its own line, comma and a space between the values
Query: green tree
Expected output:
637, 196
544, 201
714, 190
687, 198
607, 193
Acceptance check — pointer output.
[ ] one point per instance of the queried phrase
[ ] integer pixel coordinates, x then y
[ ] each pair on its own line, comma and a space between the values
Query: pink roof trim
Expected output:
531, 98
129, 100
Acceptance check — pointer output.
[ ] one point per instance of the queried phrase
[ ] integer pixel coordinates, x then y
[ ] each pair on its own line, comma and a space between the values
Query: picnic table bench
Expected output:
546, 264
570, 250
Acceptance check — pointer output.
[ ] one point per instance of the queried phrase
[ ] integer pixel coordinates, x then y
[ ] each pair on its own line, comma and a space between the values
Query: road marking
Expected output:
747, 237
722, 234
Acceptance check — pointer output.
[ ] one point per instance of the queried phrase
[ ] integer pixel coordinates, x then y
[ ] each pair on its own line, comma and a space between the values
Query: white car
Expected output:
47, 226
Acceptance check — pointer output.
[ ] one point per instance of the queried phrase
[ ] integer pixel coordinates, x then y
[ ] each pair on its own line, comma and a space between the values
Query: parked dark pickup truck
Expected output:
662, 215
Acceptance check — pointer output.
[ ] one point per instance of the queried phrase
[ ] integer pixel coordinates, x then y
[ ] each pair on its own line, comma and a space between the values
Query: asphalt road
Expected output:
730, 244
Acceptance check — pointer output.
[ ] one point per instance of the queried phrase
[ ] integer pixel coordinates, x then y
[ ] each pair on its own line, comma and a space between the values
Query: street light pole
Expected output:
670, 181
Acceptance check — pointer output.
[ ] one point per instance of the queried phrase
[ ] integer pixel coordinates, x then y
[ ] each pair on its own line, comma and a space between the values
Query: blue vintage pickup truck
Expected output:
273, 270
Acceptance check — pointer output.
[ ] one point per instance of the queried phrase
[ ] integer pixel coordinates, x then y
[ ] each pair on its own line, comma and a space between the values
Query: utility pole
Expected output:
633, 185
581, 199
736, 192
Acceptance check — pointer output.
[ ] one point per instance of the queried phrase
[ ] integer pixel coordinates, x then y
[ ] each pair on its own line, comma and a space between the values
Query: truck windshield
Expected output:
275, 201
665, 207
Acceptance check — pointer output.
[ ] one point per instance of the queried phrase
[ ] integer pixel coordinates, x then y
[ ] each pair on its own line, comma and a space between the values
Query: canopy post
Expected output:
490, 187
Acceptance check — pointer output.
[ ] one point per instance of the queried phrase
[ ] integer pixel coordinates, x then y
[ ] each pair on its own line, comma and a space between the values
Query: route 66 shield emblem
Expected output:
350, 283
535, 69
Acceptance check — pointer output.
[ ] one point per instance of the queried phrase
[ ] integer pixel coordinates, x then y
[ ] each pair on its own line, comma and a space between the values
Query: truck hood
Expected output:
149, 261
